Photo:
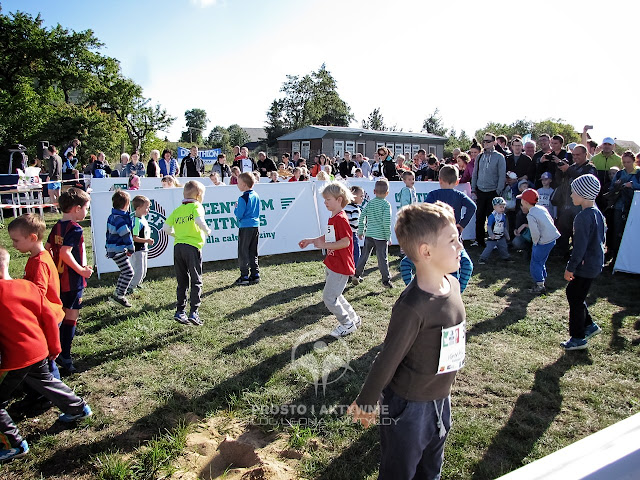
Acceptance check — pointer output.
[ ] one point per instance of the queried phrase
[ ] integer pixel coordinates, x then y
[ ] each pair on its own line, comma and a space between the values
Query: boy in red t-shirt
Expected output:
66, 244
28, 338
338, 241
27, 232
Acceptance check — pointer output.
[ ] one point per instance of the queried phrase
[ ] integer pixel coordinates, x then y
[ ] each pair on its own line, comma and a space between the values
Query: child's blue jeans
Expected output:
539, 256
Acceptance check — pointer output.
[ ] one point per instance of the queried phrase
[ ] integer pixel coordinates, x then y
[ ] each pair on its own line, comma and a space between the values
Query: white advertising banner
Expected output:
110, 184
422, 189
288, 214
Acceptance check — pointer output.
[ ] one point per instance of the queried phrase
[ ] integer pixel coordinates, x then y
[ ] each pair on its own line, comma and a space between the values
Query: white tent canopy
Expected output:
628, 259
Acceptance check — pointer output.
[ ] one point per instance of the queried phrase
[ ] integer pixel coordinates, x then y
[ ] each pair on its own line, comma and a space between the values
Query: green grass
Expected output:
147, 377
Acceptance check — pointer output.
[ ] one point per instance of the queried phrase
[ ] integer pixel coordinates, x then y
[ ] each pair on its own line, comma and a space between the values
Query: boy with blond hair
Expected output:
141, 240
339, 265
66, 245
413, 369
186, 224
375, 221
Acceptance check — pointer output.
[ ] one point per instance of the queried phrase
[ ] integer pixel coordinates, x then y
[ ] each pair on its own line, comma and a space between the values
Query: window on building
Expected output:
338, 148
361, 148
433, 149
304, 150
414, 149
350, 147
295, 147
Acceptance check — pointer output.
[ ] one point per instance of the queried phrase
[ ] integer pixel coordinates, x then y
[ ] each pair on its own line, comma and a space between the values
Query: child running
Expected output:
66, 245
119, 244
28, 340
186, 224
586, 262
247, 213
408, 375
543, 235
141, 240
457, 200
353, 211
26, 233
375, 220
339, 265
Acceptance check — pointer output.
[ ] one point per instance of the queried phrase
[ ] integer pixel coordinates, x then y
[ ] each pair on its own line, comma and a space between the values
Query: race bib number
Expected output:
452, 348
498, 228
330, 234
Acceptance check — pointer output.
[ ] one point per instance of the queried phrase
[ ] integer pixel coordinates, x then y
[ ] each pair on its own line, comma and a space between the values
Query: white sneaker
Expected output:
343, 331
357, 322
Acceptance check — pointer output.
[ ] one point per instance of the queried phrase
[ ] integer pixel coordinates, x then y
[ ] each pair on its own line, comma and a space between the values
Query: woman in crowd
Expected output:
168, 165
135, 166
388, 166
153, 167
321, 161
625, 182
463, 162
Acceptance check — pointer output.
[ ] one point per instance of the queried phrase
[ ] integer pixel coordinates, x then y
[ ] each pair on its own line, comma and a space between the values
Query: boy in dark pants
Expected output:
586, 262
28, 339
247, 212
423, 349
186, 224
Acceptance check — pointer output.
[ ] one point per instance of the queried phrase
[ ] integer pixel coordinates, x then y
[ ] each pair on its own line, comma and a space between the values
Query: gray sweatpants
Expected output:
382, 248
501, 244
187, 261
333, 298
139, 264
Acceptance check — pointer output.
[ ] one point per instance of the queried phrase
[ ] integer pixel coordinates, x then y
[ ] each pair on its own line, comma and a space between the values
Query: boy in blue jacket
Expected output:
119, 243
247, 213
586, 262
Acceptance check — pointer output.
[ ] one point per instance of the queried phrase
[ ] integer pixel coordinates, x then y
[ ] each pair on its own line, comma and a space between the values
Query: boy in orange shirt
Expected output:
28, 338
27, 232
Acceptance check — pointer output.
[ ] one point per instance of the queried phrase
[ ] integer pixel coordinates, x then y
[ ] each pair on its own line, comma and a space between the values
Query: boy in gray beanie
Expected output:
586, 262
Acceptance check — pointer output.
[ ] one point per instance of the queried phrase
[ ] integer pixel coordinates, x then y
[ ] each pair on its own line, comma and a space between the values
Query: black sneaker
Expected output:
387, 284
253, 279
121, 299
242, 281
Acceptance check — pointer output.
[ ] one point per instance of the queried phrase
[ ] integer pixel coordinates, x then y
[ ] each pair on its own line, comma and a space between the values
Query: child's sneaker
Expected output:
387, 284
474, 244
242, 281
574, 344
482, 262
591, 331
68, 417
343, 331
356, 280
15, 452
181, 317
357, 322
538, 289
121, 299
66, 364
194, 319
253, 279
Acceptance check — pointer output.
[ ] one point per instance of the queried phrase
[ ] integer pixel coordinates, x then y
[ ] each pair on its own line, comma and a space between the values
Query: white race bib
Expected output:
330, 234
452, 348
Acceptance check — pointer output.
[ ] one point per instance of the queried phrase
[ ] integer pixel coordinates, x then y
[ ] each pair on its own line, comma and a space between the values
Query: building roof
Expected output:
628, 144
255, 134
320, 131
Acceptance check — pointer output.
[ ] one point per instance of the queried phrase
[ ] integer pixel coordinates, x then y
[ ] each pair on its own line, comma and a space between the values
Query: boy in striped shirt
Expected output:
375, 220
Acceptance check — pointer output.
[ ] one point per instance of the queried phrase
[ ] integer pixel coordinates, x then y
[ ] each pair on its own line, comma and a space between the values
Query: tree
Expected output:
309, 100
433, 124
375, 121
196, 120
237, 135
523, 127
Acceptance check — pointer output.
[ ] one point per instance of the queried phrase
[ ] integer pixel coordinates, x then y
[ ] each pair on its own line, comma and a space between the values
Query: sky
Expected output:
477, 62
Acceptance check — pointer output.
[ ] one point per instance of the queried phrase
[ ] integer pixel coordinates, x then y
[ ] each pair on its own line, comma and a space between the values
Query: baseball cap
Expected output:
546, 175
523, 182
513, 175
529, 196
609, 140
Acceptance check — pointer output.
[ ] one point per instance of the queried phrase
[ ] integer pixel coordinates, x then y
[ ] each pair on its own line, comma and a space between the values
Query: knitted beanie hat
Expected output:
587, 186
498, 201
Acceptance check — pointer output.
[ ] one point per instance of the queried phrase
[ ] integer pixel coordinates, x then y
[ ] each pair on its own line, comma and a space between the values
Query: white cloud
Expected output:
204, 3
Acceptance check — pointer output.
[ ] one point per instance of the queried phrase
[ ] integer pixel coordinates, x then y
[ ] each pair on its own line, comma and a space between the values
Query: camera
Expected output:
549, 156
562, 163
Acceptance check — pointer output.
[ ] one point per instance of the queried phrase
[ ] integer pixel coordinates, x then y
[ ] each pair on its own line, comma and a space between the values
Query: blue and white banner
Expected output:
207, 156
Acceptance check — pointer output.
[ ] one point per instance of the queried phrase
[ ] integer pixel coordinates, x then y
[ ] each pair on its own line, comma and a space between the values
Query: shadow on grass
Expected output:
532, 415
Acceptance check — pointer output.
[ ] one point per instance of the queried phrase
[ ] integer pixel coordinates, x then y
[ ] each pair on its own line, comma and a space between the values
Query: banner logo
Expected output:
156, 219
286, 202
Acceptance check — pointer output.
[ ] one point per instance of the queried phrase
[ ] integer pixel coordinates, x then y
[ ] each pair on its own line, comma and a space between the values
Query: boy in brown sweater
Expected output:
423, 349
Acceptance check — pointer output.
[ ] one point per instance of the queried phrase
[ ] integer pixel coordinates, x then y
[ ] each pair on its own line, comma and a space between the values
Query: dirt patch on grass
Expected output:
230, 449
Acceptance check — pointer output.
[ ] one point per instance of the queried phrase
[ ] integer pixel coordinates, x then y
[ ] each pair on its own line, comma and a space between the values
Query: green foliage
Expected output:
196, 120
309, 100
55, 85
227, 138
433, 124
551, 126
375, 121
